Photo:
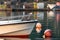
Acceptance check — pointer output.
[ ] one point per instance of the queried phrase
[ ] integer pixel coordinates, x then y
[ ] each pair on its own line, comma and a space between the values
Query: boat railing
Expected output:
12, 17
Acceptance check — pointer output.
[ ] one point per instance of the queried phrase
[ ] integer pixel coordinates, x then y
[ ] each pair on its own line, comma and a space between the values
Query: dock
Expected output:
28, 9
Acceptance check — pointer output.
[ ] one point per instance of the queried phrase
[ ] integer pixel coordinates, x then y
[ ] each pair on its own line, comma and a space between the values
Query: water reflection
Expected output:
40, 15
50, 15
51, 20
57, 22
8, 15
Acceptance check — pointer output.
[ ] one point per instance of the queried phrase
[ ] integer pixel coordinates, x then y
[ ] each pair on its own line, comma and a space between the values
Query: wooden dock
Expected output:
8, 9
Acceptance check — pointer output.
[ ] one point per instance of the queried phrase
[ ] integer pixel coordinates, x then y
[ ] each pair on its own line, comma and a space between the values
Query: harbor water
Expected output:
48, 19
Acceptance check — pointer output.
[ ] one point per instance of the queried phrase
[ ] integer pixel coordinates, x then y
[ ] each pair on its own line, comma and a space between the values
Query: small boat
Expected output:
16, 25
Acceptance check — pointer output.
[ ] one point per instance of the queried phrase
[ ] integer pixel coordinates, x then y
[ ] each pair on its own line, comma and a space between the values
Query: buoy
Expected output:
38, 27
48, 33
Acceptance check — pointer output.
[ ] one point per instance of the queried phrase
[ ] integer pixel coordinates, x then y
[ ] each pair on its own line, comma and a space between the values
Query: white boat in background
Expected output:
51, 5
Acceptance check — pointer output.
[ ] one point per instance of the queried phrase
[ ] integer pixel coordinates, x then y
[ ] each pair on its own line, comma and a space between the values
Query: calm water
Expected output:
48, 19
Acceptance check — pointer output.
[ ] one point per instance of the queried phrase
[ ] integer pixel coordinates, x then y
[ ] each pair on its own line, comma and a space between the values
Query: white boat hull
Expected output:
17, 29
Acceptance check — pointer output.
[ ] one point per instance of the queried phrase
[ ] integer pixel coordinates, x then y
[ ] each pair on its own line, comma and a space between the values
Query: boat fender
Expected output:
38, 27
